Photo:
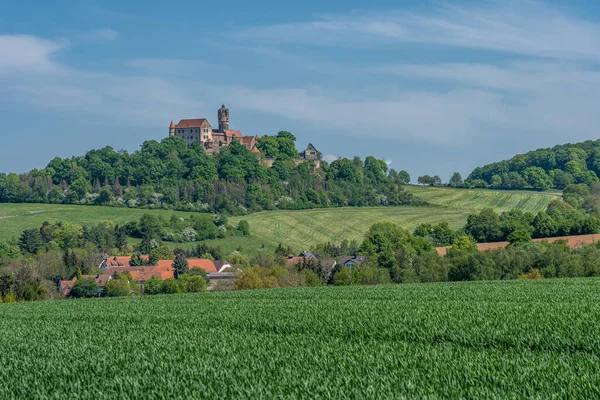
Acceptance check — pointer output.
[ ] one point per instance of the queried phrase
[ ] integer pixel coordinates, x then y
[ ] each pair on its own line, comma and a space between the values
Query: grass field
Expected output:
299, 229
511, 339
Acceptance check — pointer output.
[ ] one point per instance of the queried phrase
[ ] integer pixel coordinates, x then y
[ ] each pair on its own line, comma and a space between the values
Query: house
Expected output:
310, 153
65, 287
207, 265
221, 266
293, 260
351, 261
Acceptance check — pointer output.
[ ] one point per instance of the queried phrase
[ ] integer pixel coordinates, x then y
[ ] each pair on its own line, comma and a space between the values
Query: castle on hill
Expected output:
200, 130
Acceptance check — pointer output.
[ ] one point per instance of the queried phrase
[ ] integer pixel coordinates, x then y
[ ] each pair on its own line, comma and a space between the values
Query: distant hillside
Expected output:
299, 229
542, 169
174, 175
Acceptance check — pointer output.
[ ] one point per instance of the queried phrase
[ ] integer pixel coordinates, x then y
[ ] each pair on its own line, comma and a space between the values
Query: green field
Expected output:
511, 339
299, 229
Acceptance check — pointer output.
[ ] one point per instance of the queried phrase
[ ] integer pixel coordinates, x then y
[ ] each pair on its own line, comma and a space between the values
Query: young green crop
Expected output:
453, 340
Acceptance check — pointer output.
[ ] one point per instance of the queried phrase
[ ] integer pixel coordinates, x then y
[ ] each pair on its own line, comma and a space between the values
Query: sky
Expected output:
431, 86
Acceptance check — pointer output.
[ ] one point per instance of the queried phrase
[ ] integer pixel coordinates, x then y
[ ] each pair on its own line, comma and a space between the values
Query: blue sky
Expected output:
435, 87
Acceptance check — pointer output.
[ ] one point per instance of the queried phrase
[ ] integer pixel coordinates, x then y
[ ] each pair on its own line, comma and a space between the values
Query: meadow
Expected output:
299, 229
505, 339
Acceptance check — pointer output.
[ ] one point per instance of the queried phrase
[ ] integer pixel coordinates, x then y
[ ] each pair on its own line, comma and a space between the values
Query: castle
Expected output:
200, 130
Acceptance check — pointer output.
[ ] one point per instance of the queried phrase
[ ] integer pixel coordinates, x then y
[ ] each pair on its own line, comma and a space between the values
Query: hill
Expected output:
436, 340
555, 167
299, 229
234, 180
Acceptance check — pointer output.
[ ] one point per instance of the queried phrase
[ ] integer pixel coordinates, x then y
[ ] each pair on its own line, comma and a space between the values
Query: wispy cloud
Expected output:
524, 27
546, 86
29, 54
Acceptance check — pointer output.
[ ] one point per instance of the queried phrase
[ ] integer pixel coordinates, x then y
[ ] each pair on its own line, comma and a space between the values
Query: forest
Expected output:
542, 169
168, 174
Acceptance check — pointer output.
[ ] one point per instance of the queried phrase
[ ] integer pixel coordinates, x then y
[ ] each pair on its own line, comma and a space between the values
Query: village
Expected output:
220, 274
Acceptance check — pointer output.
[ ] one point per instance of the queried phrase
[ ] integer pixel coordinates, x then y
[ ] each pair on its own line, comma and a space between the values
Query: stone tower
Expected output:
172, 129
223, 118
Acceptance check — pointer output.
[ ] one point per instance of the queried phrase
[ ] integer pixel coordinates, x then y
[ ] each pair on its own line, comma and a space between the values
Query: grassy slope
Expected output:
445, 340
299, 229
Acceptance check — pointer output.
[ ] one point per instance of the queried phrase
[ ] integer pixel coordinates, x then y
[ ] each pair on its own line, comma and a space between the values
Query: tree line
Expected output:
168, 174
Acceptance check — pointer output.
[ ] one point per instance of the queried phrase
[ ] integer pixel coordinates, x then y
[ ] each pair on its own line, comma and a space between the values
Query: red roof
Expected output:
248, 139
172, 124
233, 133
118, 261
66, 286
190, 123
206, 265
143, 276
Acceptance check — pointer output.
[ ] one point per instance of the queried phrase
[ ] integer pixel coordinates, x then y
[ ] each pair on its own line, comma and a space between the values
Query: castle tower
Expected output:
172, 129
223, 118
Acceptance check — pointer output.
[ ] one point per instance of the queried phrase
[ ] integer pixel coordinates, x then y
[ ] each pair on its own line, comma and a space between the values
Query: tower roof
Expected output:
172, 124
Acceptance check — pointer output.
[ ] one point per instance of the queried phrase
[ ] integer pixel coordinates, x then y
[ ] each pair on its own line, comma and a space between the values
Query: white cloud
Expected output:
27, 54
524, 27
100, 35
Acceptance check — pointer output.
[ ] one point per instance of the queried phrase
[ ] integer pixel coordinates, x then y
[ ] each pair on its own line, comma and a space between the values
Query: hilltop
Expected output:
541, 169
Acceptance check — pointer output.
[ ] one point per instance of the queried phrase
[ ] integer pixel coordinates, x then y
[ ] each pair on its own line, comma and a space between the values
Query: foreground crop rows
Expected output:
501, 339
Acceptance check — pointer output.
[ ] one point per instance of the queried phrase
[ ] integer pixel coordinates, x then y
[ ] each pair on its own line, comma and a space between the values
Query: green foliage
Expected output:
541, 169
519, 237
161, 253
85, 288
180, 265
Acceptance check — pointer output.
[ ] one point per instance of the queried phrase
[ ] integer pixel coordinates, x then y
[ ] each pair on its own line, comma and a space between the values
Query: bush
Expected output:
84, 288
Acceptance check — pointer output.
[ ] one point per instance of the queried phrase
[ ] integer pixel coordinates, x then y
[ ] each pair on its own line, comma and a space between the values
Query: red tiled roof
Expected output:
143, 276
233, 133
118, 261
190, 123
255, 149
164, 265
206, 265
66, 286
172, 124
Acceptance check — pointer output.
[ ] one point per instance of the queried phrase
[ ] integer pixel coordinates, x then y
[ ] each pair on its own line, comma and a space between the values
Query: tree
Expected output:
404, 177
180, 265
244, 227
537, 178
519, 237
31, 241
343, 277
84, 288
161, 253
455, 180
121, 285
248, 280
191, 283
485, 226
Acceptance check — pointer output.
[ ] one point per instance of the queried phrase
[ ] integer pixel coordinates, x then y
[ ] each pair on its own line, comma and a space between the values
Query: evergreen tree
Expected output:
180, 265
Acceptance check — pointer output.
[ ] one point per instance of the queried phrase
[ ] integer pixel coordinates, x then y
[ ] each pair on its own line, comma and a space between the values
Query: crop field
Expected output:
517, 339
299, 229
